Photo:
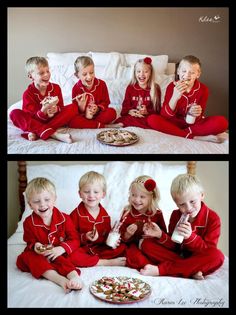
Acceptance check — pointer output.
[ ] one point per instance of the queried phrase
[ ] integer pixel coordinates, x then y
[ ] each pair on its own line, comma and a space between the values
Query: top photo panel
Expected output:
101, 80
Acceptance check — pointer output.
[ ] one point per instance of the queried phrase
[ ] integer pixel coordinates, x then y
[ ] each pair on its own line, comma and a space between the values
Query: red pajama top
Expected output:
32, 98
85, 222
61, 231
134, 216
205, 231
132, 96
199, 94
98, 94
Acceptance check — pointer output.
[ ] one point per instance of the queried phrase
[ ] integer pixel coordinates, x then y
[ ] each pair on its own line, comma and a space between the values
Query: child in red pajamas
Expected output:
141, 212
43, 111
94, 224
142, 96
198, 255
91, 96
48, 226
187, 98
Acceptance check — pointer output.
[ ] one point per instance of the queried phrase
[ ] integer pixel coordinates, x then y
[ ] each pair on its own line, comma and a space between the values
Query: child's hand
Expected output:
143, 110
91, 110
92, 235
185, 229
151, 229
131, 229
179, 89
82, 101
36, 248
54, 252
195, 110
52, 111
135, 113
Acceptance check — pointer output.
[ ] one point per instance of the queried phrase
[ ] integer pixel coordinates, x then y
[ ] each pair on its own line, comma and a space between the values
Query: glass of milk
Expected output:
176, 236
189, 118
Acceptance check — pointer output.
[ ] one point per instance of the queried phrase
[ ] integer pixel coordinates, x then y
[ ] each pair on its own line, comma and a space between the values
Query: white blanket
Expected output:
85, 142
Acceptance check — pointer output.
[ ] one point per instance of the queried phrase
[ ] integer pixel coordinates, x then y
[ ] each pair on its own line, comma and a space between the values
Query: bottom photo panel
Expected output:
118, 234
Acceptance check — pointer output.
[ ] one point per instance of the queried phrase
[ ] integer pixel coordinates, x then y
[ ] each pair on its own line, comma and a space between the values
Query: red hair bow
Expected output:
147, 60
150, 184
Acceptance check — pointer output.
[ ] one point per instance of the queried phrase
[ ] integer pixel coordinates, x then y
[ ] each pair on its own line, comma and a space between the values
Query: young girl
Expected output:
142, 96
94, 224
43, 111
198, 255
182, 112
50, 237
141, 213
91, 96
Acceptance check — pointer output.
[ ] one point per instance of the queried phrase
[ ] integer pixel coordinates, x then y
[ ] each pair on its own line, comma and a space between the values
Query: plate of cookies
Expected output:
120, 290
117, 137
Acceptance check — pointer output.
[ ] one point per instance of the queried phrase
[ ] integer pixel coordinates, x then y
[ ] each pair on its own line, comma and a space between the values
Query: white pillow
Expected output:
164, 80
159, 62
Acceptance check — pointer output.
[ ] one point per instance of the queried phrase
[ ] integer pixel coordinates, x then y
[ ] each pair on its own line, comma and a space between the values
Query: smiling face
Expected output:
189, 202
139, 200
87, 75
40, 76
42, 203
92, 194
142, 74
188, 72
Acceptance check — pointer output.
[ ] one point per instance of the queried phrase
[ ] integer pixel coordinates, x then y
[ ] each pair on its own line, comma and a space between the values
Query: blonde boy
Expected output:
198, 255
43, 111
50, 237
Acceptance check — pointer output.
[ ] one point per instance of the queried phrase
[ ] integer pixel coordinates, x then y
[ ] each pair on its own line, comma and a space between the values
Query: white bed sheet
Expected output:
24, 291
85, 142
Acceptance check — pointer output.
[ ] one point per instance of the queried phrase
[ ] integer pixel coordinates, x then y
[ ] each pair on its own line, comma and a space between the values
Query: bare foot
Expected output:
29, 136
118, 125
198, 276
32, 136
221, 137
150, 270
75, 283
64, 137
119, 261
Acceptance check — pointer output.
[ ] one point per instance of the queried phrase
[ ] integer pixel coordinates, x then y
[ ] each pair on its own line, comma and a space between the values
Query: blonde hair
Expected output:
34, 62
138, 183
185, 183
93, 177
151, 81
39, 184
82, 62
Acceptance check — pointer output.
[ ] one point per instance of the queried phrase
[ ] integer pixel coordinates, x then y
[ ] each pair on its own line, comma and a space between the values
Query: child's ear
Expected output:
104, 194
79, 193
202, 195
30, 76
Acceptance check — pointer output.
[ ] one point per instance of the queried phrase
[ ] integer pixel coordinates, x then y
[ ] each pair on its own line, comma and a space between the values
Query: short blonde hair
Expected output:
39, 184
138, 183
93, 177
82, 62
34, 62
185, 183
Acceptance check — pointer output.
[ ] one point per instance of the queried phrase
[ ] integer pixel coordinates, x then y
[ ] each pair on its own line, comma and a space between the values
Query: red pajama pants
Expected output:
172, 264
36, 264
89, 256
135, 258
43, 130
99, 121
211, 125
